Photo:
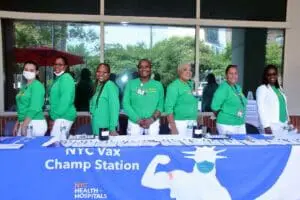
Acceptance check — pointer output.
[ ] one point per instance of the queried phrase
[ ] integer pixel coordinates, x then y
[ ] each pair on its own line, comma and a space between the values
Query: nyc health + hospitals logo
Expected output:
83, 190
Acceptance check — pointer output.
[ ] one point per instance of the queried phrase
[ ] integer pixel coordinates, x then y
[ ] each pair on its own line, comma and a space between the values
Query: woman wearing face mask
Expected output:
62, 94
143, 102
181, 105
271, 103
30, 101
104, 105
229, 104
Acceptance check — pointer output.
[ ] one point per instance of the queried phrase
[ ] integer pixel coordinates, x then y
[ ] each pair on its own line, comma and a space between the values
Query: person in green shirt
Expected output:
62, 93
143, 102
229, 104
181, 105
104, 104
30, 101
271, 103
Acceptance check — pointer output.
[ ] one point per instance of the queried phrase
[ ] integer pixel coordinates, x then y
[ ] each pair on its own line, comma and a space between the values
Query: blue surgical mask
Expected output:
205, 166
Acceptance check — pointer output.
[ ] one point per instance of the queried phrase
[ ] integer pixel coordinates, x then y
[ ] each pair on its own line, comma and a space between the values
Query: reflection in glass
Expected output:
81, 39
165, 46
249, 48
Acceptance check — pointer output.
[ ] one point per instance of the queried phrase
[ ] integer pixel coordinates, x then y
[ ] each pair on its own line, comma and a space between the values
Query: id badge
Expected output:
140, 92
240, 113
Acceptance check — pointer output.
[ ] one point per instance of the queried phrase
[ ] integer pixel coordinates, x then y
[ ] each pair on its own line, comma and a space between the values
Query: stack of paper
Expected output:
11, 146
171, 140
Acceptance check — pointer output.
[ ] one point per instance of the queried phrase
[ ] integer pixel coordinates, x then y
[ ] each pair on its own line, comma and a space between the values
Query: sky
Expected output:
133, 34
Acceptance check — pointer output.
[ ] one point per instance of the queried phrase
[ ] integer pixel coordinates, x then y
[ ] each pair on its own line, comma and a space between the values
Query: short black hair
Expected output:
211, 79
85, 74
229, 67
144, 60
33, 63
265, 75
64, 59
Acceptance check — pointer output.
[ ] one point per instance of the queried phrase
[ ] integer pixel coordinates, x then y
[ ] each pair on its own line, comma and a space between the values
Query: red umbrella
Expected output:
44, 56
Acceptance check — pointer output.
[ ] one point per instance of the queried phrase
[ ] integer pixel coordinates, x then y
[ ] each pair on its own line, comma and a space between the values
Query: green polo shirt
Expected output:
141, 100
282, 105
62, 94
105, 112
180, 101
30, 101
229, 101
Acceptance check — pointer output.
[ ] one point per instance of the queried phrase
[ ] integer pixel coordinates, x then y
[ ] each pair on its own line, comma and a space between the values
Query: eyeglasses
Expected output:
272, 74
102, 72
144, 67
58, 64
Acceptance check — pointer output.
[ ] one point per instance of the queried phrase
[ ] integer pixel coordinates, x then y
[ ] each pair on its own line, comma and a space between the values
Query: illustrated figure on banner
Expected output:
201, 183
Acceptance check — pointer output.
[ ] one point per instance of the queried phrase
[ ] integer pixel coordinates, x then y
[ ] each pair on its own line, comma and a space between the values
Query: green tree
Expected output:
90, 61
121, 58
166, 55
30, 34
274, 54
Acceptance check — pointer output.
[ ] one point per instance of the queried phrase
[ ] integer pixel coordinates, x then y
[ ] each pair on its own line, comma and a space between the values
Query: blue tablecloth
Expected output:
156, 173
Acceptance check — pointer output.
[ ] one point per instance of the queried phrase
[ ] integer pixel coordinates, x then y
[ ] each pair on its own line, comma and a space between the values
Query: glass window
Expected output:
54, 6
212, 35
274, 50
271, 10
78, 39
165, 46
215, 53
249, 48
151, 8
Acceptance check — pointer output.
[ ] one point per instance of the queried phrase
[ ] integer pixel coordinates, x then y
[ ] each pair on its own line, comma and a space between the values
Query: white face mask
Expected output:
29, 75
59, 74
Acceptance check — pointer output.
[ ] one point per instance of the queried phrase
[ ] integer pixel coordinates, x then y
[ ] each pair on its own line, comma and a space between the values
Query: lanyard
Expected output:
100, 92
239, 94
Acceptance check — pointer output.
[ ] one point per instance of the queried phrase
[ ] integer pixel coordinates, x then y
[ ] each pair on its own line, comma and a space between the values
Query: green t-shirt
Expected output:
105, 112
282, 105
30, 101
180, 101
141, 100
231, 104
62, 94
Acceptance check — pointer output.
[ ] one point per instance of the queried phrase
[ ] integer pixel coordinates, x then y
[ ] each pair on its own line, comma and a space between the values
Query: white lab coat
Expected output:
268, 105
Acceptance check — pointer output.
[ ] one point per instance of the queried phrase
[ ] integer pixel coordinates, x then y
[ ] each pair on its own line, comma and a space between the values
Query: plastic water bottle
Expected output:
29, 131
63, 131
292, 129
250, 95
190, 126
199, 106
